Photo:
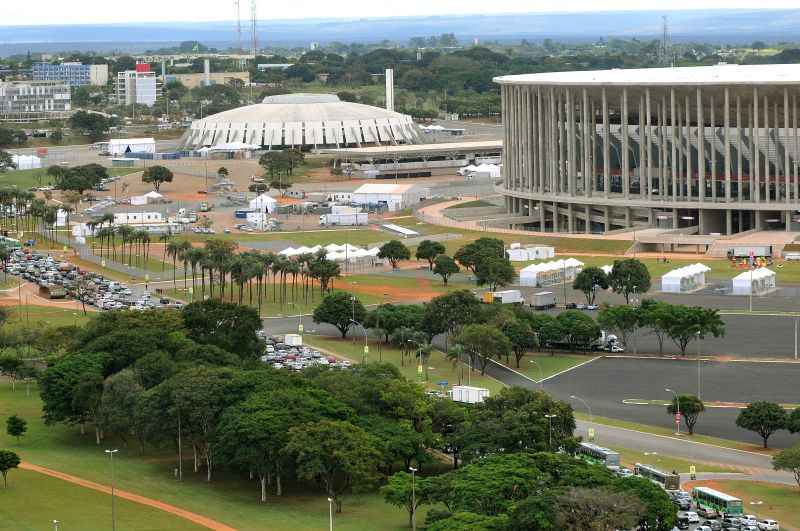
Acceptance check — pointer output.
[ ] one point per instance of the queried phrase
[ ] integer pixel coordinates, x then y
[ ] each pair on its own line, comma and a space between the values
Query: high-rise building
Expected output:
73, 74
138, 86
29, 101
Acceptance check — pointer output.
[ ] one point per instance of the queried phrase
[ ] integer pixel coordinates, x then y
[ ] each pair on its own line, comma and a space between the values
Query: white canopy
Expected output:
26, 162
754, 282
264, 202
607, 269
467, 169
235, 146
548, 273
686, 278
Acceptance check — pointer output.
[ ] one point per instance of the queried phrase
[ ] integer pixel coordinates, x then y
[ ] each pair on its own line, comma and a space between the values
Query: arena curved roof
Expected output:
784, 74
296, 120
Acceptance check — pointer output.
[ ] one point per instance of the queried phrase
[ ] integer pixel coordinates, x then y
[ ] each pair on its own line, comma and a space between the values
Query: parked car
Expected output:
707, 512
692, 516
715, 525
768, 525
748, 519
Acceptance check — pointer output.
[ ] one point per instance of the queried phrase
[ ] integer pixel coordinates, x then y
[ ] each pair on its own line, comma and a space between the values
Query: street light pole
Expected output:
366, 346
550, 430
541, 374
698, 364
677, 409
113, 508
330, 514
419, 357
585, 403
55, 525
413, 499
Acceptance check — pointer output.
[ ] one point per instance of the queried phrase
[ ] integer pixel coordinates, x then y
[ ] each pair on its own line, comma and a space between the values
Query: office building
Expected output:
30, 101
73, 74
138, 86
708, 150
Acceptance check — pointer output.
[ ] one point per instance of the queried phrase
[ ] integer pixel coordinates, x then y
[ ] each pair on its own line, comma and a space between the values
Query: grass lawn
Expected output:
779, 502
32, 501
471, 204
48, 316
26, 179
439, 367
230, 499
359, 237
664, 462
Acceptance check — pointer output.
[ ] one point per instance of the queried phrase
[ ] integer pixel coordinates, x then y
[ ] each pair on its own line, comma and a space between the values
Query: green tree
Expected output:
118, 405
340, 309
397, 492
387, 318
429, 250
57, 136
578, 329
472, 254
16, 426
483, 343
588, 509
495, 272
394, 251
656, 315
8, 460
621, 318
6, 137
793, 421
629, 276
521, 336
764, 418
231, 327
690, 323
789, 460
91, 124
335, 453
588, 281
690, 409
156, 175
474, 522
445, 267
447, 313
6, 162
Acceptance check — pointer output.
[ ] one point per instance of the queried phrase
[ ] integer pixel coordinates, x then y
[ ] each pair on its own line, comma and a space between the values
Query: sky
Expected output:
45, 12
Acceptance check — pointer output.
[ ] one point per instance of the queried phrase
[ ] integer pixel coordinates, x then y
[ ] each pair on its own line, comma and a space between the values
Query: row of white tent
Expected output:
26, 162
549, 273
334, 252
483, 170
685, 279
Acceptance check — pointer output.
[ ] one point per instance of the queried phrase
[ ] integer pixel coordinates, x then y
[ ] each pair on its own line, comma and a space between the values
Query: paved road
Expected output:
757, 467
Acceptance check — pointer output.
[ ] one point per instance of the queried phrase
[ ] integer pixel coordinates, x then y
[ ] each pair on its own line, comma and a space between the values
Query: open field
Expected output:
439, 367
228, 499
359, 237
664, 462
32, 501
472, 204
765, 500
538, 365
26, 179
32, 315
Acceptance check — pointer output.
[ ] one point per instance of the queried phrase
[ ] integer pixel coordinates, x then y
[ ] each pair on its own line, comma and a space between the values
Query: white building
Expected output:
138, 218
392, 196
26, 162
138, 86
27, 101
517, 253
123, 146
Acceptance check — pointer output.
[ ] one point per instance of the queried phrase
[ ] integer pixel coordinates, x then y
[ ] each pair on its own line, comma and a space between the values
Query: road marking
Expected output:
714, 404
548, 377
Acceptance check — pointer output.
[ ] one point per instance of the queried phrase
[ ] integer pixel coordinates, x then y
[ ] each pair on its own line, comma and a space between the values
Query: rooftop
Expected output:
383, 188
787, 74
406, 149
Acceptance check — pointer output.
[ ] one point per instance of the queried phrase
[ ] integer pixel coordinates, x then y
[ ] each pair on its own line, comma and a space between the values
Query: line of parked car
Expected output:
281, 355
59, 279
708, 519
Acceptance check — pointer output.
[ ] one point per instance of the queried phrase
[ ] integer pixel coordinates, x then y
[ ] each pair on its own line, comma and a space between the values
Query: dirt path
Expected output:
181, 513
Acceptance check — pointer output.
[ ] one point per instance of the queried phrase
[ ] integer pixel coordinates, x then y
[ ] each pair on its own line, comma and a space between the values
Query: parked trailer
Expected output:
52, 291
510, 296
361, 218
544, 300
468, 394
750, 250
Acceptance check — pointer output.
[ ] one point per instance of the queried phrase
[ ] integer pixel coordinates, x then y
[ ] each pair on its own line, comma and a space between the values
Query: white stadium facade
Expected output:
307, 121
703, 149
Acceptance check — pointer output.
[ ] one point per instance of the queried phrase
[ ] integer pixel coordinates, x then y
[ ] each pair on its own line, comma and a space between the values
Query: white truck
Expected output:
509, 296
608, 343
467, 394
359, 218
544, 300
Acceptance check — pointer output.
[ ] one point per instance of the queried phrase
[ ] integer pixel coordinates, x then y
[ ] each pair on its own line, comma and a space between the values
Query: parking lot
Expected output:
607, 382
61, 280
280, 355
697, 518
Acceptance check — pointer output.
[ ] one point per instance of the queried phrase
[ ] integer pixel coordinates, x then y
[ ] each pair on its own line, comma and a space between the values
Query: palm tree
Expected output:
165, 238
125, 233
186, 246
174, 250
194, 255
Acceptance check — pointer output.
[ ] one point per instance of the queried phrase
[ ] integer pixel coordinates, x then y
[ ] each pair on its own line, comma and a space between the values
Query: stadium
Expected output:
706, 150
307, 121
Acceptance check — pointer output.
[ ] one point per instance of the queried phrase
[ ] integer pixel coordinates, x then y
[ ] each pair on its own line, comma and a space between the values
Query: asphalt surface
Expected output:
606, 382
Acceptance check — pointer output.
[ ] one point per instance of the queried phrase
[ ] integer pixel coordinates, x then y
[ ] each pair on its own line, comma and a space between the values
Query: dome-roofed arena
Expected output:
303, 120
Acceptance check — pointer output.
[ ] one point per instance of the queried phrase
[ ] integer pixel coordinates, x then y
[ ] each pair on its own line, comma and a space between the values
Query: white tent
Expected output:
755, 282
264, 202
535, 252
685, 279
549, 273
234, 146
487, 170
122, 146
26, 162
607, 269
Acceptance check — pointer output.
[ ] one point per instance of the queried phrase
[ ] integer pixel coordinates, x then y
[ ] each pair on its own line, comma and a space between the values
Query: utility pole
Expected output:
237, 3
254, 27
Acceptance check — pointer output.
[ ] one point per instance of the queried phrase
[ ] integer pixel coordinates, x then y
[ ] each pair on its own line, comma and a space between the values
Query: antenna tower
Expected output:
254, 26
665, 50
238, 23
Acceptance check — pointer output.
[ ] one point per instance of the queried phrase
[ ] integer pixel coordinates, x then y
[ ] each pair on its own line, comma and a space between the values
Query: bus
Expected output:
667, 481
725, 504
598, 455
